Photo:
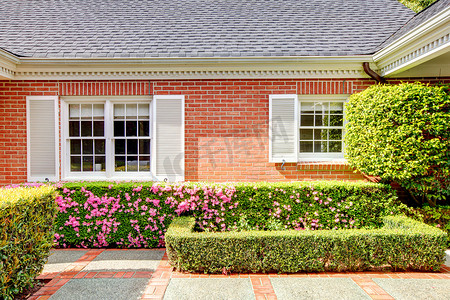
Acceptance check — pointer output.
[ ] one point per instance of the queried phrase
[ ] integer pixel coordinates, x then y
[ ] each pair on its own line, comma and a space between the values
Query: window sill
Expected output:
335, 165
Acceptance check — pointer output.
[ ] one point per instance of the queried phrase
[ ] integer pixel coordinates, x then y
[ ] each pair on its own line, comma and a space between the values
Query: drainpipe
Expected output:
372, 73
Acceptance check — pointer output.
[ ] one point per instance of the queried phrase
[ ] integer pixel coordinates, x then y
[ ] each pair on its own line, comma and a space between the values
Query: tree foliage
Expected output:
401, 133
417, 5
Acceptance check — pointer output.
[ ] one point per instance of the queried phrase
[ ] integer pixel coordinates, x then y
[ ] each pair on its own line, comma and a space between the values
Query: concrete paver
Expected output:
61, 259
317, 288
209, 288
412, 289
101, 289
120, 260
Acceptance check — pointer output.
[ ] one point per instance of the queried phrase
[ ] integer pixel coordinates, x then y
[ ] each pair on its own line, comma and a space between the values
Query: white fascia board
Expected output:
8, 64
421, 44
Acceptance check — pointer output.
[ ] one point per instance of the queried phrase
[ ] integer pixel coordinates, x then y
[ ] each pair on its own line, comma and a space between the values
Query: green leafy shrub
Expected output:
401, 244
102, 214
400, 133
438, 217
26, 234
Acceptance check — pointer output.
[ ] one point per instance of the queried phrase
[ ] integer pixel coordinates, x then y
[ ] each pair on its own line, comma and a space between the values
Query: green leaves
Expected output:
26, 235
400, 133
401, 244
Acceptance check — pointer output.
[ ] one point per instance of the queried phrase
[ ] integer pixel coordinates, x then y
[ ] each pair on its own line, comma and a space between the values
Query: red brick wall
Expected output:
226, 124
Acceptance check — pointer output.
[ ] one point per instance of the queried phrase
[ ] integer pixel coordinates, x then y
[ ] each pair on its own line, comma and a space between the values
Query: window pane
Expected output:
74, 111
320, 146
75, 163
144, 111
132, 163
119, 111
120, 164
336, 107
321, 120
320, 134
335, 146
144, 163
99, 146
306, 134
132, 146
335, 134
86, 111
144, 128
336, 120
322, 107
307, 120
74, 128
119, 128
100, 164
99, 128
88, 163
75, 147
306, 146
86, 128
307, 107
144, 146
131, 129
131, 111
88, 147
120, 147
98, 110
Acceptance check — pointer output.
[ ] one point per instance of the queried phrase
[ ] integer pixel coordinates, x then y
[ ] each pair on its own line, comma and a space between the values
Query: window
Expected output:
321, 127
107, 138
306, 127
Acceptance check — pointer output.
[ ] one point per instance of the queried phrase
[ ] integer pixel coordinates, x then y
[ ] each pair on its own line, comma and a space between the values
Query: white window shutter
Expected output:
42, 138
283, 129
168, 141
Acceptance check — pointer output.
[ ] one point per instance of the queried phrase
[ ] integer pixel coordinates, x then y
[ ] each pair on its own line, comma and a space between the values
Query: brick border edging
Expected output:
263, 289
261, 284
74, 271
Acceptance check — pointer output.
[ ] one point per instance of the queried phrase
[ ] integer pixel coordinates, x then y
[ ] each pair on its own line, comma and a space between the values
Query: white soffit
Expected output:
425, 42
8, 63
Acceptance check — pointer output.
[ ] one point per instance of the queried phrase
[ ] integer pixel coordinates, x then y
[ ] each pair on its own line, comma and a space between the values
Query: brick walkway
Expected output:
160, 278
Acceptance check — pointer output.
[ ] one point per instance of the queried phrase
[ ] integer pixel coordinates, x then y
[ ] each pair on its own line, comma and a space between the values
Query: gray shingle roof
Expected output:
197, 28
418, 19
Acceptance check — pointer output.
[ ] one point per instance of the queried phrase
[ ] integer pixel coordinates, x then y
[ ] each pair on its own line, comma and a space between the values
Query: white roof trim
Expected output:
425, 42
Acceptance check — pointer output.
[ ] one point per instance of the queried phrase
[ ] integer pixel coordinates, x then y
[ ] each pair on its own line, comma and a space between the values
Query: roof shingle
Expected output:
197, 28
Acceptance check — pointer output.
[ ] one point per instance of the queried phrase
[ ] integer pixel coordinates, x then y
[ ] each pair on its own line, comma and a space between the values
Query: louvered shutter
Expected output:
168, 139
283, 132
42, 138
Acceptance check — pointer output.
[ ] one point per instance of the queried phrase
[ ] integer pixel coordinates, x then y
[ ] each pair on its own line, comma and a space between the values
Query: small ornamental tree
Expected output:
402, 133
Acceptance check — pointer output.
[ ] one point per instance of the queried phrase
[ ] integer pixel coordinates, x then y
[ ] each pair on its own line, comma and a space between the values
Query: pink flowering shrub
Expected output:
105, 214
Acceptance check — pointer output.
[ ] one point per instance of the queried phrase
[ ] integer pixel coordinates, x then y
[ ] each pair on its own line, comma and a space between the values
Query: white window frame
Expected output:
109, 174
317, 157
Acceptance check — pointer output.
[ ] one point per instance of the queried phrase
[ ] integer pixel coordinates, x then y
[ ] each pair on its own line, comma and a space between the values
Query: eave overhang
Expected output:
425, 42
191, 68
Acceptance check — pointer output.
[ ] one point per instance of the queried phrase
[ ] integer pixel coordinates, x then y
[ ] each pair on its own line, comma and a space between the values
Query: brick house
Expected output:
234, 90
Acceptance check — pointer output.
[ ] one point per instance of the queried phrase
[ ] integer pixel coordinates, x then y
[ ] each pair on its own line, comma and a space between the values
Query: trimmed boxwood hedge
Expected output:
26, 223
106, 214
400, 244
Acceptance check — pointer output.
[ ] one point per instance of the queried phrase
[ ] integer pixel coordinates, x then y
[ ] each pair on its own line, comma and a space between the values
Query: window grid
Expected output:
87, 137
321, 127
90, 125
131, 137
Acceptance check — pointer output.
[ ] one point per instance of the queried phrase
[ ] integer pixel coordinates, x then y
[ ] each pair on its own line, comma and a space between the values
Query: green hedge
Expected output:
401, 244
438, 217
102, 214
26, 222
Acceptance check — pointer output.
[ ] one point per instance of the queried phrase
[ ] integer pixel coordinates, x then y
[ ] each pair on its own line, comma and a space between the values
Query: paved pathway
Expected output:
145, 274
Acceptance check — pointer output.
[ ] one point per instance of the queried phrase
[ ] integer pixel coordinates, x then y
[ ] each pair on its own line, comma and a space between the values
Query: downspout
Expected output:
372, 73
